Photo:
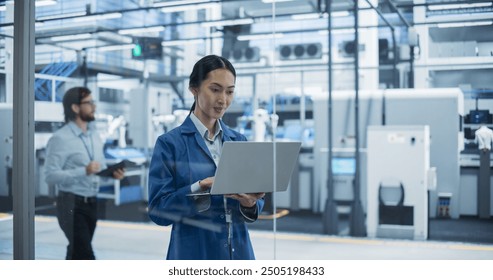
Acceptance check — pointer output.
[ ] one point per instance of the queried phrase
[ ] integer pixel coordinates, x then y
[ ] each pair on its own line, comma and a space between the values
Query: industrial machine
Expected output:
391, 107
471, 200
398, 179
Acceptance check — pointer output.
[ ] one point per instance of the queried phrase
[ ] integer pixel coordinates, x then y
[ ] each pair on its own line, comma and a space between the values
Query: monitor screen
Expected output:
343, 166
479, 116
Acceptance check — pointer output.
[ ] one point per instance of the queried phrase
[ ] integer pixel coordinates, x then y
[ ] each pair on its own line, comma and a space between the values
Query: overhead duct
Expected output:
248, 54
300, 51
348, 48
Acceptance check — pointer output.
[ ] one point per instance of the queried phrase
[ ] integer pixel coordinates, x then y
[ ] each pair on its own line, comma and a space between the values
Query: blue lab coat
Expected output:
181, 158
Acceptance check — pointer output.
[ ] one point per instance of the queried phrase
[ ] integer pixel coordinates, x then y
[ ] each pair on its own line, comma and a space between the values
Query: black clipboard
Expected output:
108, 172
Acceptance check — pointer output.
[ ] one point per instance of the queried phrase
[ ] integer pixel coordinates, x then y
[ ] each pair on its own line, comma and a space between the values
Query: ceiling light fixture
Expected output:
61, 16
141, 30
39, 3
175, 9
4, 7
259, 36
82, 36
221, 23
176, 3
306, 16
98, 17
277, 1
317, 15
115, 48
339, 14
464, 24
458, 6
181, 42
179, 3
115, 37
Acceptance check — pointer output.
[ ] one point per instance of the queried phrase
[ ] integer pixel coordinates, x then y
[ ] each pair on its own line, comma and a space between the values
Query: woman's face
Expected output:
214, 95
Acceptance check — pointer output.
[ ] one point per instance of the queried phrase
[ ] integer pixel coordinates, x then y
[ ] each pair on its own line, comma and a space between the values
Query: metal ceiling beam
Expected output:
427, 4
398, 13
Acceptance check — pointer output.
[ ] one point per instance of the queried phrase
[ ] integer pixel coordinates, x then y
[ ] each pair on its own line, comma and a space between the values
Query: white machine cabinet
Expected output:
398, 181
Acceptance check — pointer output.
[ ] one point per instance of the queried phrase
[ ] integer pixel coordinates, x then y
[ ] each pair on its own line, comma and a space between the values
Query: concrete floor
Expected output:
146, 241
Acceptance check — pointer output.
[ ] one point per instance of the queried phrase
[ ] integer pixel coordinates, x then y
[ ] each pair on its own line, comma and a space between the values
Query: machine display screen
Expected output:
480, 116
343, 166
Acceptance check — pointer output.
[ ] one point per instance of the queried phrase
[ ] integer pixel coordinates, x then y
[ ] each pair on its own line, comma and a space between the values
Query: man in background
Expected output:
74, 154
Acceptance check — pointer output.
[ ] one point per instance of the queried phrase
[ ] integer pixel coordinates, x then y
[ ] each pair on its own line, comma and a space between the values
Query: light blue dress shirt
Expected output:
68, 152
214, 144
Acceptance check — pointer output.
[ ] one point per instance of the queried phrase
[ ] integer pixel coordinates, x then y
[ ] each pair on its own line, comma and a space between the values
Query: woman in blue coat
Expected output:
209, 227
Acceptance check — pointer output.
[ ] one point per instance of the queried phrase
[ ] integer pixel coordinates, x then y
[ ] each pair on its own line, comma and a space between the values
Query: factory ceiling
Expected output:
113, 25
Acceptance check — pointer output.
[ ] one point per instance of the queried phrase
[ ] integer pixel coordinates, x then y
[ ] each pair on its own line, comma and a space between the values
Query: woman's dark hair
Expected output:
205, 65
73, 96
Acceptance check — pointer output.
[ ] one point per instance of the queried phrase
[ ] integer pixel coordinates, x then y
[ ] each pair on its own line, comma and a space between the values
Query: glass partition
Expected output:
136, 58
6, 134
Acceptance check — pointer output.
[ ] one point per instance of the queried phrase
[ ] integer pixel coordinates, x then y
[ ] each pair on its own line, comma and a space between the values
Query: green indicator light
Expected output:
137, 50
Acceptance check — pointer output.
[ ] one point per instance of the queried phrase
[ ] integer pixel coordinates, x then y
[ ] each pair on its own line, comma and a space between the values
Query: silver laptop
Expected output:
248, 167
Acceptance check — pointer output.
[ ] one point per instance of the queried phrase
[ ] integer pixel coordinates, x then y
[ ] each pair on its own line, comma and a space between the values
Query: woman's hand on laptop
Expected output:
206, 183
247, 199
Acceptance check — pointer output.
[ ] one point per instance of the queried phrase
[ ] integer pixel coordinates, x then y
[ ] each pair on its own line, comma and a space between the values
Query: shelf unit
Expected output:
456, 47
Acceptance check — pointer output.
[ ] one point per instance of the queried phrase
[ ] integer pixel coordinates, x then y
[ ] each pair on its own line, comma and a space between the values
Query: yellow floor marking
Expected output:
471, 247
5, 216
